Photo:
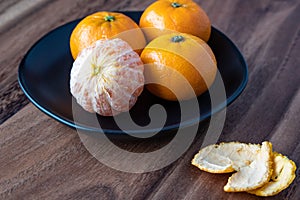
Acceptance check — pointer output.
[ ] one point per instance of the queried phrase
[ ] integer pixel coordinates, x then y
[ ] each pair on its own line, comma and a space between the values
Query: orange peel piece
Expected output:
254, 175
225, 157
259, 170
283, 175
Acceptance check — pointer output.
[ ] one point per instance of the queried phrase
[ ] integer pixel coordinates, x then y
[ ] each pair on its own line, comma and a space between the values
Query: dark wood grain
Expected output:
43, 159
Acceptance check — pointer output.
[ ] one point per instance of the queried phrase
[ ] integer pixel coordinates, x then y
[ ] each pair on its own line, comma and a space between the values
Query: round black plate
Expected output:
44, 75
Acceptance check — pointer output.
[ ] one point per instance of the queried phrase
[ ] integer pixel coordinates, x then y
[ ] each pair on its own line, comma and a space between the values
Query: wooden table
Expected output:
43, 159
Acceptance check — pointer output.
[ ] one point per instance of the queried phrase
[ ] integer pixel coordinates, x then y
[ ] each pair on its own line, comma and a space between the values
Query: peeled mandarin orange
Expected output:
174, 63
104, 25
107, 77
183, 16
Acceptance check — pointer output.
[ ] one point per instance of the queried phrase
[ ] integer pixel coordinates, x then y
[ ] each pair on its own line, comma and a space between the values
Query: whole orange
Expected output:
178, 66
184, 16
104, 25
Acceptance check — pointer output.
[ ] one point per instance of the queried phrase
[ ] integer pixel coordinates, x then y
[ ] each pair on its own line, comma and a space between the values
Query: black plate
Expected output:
44, 78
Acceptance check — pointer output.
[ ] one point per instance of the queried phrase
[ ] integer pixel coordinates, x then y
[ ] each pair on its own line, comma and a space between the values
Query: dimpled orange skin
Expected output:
105, 25
184, 16
191, 57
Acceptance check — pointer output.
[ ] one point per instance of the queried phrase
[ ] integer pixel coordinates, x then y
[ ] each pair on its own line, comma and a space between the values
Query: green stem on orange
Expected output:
109, 18
176, 5
177, 38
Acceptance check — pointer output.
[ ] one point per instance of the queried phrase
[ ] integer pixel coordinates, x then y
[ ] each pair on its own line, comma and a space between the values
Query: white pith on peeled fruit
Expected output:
107, 78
